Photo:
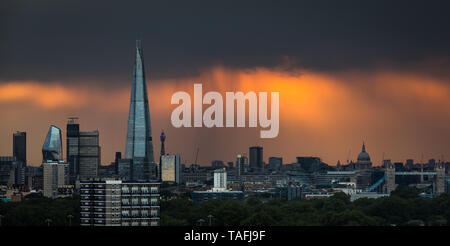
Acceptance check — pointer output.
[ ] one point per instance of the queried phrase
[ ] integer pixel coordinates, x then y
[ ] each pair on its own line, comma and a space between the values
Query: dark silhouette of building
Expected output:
162, 137
89, 154
116, 162
83, 152
20, 146
275, 163
73, 148
256, 158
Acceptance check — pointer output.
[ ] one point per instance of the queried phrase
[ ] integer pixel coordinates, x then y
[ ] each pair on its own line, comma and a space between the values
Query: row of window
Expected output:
137, 189
143, 201
143, 223
142, 213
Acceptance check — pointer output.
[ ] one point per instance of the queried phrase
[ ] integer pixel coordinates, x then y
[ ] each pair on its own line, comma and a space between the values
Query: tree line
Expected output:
403, 207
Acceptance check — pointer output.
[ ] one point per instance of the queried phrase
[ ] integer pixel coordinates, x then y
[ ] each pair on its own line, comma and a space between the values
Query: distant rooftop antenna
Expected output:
348, 155
72, 120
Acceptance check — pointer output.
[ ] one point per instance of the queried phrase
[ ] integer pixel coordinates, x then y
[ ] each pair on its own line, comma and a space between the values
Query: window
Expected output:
134, 189
154, 213
135, 201
154, 201
125, 189
134, 213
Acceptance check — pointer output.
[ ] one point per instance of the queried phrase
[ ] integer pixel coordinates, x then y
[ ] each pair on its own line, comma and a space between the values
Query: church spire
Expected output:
364, 147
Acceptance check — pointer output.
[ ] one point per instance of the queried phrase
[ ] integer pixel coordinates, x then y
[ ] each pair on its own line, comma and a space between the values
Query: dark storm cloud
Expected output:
65, 40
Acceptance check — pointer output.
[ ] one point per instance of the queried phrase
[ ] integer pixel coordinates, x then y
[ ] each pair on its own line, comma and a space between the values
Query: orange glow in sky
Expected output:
321, 114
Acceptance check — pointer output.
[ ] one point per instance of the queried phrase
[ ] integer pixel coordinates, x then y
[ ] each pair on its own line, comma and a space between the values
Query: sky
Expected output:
346, 71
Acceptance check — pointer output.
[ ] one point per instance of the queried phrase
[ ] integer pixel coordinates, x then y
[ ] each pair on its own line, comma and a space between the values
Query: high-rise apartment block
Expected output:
119, 203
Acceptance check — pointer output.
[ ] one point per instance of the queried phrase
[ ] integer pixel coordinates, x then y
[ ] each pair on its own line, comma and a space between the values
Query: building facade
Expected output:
89, 154
171, 168
256, 158
20, 147
56, 175
119, 203
83, 152
139, 143
52, 148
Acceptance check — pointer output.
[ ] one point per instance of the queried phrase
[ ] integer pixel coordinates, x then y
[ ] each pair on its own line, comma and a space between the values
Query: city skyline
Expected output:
341, 81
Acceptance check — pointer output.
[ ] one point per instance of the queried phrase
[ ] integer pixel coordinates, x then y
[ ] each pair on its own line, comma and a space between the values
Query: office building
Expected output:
275, 163
83, 152
241, 165
89, 154
171, 168
52, 148
55, 176
256, 158
119, 203
73, 148
12, 172
139, 144
20, 147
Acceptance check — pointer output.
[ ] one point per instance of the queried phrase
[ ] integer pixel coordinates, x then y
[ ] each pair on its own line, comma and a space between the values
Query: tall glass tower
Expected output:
52, 149
139, 146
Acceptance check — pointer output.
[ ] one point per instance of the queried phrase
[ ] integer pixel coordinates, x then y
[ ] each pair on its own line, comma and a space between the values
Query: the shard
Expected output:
139, 146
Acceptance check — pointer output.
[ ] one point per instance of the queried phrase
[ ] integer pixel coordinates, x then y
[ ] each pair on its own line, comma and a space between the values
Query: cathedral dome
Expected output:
363, 156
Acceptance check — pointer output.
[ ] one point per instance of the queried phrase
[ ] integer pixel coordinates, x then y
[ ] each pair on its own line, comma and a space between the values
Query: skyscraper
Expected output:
83, 152
20, 146
139, 145
20, 153
52, 149
73, 148
89, 154
256, 158
55, 171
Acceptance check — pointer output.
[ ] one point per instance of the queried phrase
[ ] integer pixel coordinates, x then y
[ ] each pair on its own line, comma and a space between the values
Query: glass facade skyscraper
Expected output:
52, 149
139, 145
